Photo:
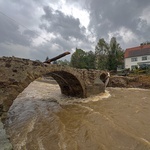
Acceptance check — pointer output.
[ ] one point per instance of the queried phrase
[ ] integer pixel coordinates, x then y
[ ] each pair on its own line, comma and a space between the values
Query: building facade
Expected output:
136, 56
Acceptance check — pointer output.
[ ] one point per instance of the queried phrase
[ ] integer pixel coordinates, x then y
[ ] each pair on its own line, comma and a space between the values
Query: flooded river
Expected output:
43, 119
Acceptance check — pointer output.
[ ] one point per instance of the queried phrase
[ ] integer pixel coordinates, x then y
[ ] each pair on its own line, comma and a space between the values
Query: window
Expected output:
134, 59
144, 58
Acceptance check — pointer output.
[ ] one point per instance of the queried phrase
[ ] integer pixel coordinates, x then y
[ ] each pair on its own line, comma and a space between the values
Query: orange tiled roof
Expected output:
137, 51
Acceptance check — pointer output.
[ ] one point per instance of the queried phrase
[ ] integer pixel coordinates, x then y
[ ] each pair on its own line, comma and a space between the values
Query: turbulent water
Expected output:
43, 119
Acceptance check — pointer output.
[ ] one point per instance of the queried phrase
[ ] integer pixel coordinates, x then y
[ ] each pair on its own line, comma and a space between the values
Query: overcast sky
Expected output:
36, 29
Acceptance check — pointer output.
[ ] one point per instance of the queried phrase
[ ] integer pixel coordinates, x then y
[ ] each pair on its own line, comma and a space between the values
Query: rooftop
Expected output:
137, 51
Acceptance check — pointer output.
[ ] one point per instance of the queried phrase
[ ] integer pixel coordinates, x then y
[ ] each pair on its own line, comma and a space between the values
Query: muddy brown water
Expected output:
43, 119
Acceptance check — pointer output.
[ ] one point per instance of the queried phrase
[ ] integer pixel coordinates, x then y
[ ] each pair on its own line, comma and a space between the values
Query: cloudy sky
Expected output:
36, 29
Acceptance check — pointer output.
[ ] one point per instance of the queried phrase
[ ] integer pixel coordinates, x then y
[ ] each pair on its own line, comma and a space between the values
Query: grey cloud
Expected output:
109, 16
57, 46
48, 49
106, 16
43, 2
63, 44
31, 33
11, 49
10, 33
59, 23
24, 12
18, 41
79, 3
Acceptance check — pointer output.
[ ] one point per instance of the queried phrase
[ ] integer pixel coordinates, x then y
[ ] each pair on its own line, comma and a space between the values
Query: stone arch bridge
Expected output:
16, 74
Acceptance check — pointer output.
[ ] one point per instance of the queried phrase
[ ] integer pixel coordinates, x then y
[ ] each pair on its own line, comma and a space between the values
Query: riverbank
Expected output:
132, 81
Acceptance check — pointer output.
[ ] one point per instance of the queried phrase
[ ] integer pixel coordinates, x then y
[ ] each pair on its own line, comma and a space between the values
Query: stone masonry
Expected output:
16, 74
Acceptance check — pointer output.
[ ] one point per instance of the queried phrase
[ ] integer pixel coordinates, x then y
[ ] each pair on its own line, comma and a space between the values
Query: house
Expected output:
136, 56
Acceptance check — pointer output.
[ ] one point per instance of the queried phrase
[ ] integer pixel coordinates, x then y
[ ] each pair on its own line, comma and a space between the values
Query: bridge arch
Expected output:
16, 74
69, 84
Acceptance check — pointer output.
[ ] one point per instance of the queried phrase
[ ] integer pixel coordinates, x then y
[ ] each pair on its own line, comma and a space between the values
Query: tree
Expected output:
115, 55
108, 56
77, 59
89, 60
63, 62
101, 53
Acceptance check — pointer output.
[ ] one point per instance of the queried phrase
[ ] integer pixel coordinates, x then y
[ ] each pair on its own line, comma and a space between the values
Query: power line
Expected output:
13, 20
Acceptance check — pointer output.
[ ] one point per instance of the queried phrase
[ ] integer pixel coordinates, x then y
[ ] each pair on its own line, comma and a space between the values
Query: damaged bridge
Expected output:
16, 74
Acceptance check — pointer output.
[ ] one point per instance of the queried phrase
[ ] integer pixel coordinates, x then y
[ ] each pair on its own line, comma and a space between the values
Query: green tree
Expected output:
101, 53
78, 59
63, 62
90, 60
115, 55
108, 56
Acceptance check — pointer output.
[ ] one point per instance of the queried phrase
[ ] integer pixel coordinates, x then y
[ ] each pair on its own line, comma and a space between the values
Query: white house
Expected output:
136, 56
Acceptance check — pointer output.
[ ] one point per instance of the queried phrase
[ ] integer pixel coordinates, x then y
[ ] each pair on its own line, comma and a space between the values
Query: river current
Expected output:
41, 118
